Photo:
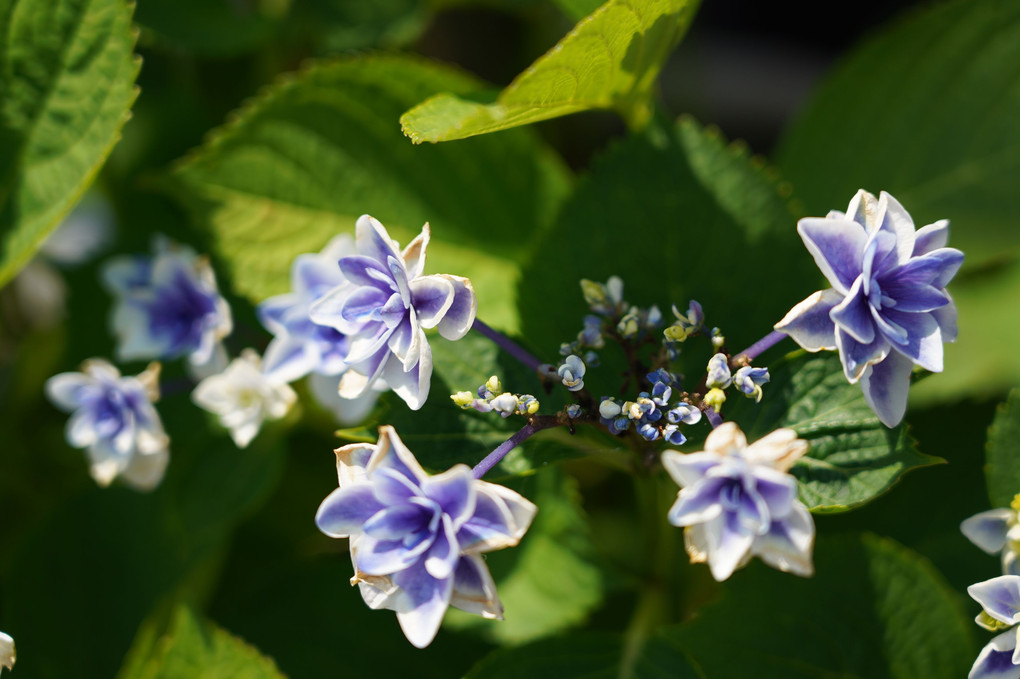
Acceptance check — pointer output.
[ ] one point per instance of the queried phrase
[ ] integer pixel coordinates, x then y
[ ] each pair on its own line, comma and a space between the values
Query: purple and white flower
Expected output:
114, 421
571, 373
417, 540
243, 396
997, 531
301, 347
749, 381
384, 308
888, 308
1000, 603
168, 306
738, 501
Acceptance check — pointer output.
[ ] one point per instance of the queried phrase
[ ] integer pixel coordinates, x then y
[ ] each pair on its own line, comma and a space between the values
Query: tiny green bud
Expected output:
493, 385
715, 398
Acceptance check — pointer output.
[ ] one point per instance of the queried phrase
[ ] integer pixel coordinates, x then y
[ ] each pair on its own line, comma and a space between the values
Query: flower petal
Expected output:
837, 246
688, 469
923, 343
728, 545
698, 503
454, 492
442, 557
853, 314
885, 387
414, 253
429, 597
373, 240
931, 237
856, 357
809, 323
988, 529
788, 543
431, 297
899, 222
474, 590
347, 411
387, 557
1000, 597
500, 519
461, 315
411, 385
995, 661
346, 509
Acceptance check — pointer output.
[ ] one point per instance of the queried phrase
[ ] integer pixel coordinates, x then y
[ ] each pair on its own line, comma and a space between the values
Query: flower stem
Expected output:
767, 342
506, 344
535, 424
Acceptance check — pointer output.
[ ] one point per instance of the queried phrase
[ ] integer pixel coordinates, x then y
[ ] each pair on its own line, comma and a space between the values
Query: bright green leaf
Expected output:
299, 165
200, 650
853, 457
1003, 452
67, 75
610, 60
559, 542
873, 610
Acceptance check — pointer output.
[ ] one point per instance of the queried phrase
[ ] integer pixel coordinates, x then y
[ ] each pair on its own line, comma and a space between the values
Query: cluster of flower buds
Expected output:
606, 300
492, 398
747, 380
651, 413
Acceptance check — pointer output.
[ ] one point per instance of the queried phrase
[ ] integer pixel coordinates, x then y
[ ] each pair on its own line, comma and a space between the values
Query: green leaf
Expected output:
610, 60
926, 109
67, 75
535, 604
300, 163
853, 457
212, 28
200, 649
586, 655
1002, 453
341, 25
873, 610
678, 214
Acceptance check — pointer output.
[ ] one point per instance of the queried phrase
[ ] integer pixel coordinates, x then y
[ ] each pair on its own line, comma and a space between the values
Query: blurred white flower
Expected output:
243, 396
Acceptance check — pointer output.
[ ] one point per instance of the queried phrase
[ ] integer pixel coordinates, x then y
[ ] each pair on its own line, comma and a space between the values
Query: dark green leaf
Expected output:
215, 28
199, 649
299, 164
1003, 453
678, 214
853, 457
67, 75
873, 610
610, 60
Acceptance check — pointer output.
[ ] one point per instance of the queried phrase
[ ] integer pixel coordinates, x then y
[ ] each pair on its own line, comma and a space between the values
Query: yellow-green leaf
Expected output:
609, 61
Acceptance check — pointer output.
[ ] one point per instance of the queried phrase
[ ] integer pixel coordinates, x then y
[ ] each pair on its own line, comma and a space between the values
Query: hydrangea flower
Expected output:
749, 381
115, 421
888, 308
571, 373
1000, 603
301, 347
243, 396
168, 306
997, 531
738, 501
384, 308
417, 540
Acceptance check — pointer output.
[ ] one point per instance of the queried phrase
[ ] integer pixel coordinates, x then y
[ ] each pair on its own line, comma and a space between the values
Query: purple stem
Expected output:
767, 342
714, 418
507, 345
535, 424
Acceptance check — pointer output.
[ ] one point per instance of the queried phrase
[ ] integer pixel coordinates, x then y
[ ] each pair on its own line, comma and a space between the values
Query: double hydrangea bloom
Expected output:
738, 501
1000, 603
168, 306
417, 540
888, 308
385, 305
301, 347
115, 421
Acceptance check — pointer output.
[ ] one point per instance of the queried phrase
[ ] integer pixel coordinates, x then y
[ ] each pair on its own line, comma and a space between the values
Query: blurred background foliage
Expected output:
262, 127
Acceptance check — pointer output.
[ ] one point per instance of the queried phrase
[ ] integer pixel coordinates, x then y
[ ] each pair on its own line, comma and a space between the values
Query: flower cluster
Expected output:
168, 306
1000, 604
738, 501
416, 540
748, 380
888, 308
115, 421
612, 313
384, 306
646, 412
492, 398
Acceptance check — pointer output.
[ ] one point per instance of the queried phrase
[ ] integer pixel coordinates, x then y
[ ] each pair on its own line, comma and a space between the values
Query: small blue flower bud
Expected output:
592, 359
749, 381
719, 372
609, 408
574, 411
672, 434
649, 432
685, 413
528, 405
571, 372
505, 404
